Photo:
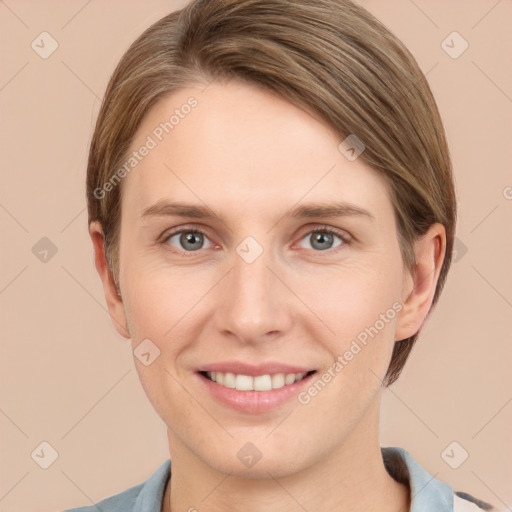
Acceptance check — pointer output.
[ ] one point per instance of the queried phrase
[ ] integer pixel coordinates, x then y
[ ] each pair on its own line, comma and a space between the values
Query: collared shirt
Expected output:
427, 493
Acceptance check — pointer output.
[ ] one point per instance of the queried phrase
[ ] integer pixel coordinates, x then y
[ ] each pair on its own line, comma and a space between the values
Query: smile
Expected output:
266, 382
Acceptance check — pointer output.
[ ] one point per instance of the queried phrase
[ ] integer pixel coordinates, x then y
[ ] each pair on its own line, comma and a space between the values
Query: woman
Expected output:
272, 211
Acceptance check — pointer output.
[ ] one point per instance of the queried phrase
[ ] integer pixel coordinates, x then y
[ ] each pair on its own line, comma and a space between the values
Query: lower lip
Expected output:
254, 401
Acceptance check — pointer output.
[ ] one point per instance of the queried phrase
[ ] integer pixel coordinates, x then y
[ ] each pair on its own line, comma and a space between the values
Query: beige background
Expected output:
69, 379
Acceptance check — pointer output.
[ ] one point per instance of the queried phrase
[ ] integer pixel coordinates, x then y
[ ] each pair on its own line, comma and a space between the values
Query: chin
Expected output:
262, 469
256, 459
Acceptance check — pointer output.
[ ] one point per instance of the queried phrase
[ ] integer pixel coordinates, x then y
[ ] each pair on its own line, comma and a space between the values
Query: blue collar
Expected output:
427, 492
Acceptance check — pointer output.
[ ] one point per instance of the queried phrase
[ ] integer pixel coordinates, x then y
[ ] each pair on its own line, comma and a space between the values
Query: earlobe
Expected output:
420, 284
114, 302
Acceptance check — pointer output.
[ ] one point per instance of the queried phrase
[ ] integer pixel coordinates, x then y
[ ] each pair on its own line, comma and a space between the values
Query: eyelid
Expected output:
341, 233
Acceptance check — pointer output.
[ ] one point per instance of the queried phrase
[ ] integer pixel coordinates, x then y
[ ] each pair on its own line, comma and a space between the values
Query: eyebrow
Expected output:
164, 208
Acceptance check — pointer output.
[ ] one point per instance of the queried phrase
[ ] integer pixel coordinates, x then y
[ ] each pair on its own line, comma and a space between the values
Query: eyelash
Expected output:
321, 229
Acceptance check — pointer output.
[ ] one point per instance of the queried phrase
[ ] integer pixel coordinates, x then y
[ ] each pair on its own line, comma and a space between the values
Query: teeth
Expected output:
244, 382
277, 380
258, 383
289, 379
229, 380
262, 383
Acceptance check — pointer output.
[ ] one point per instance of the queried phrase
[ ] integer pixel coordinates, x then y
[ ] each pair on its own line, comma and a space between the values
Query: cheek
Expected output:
362, 311
160, 308
161, 301
360, 305
352, 298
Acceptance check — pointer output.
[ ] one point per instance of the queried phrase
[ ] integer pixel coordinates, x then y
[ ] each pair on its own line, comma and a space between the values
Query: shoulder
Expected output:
147, 495
123, 501
427, 492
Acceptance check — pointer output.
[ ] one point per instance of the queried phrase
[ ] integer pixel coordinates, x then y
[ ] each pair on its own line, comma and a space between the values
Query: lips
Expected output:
251, 393
253, 388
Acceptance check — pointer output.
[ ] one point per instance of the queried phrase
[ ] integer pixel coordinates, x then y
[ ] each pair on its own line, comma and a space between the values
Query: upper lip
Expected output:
241, 368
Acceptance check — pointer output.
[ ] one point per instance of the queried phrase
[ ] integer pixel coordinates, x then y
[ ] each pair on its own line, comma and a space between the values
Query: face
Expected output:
282, 259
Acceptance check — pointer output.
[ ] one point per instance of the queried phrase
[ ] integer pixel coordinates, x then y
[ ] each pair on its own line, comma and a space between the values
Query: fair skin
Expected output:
250, 157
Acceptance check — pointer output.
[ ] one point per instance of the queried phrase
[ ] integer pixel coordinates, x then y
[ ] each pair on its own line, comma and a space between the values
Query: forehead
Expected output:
235, 142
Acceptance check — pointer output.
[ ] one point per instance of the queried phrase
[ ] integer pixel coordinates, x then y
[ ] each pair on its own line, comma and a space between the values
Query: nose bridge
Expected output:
250, 277
252, 304
250, 287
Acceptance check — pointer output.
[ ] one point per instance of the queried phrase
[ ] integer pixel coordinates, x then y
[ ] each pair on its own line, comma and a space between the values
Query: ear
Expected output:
419, 285
114, 301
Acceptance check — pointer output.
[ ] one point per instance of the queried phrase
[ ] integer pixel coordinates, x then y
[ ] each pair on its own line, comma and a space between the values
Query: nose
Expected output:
253, 302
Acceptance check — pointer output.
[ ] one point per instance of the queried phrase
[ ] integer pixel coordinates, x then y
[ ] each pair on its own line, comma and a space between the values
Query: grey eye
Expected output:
322, 240
189, 240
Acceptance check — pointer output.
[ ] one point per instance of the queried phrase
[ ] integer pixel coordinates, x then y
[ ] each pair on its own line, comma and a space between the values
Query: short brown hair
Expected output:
331, 58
